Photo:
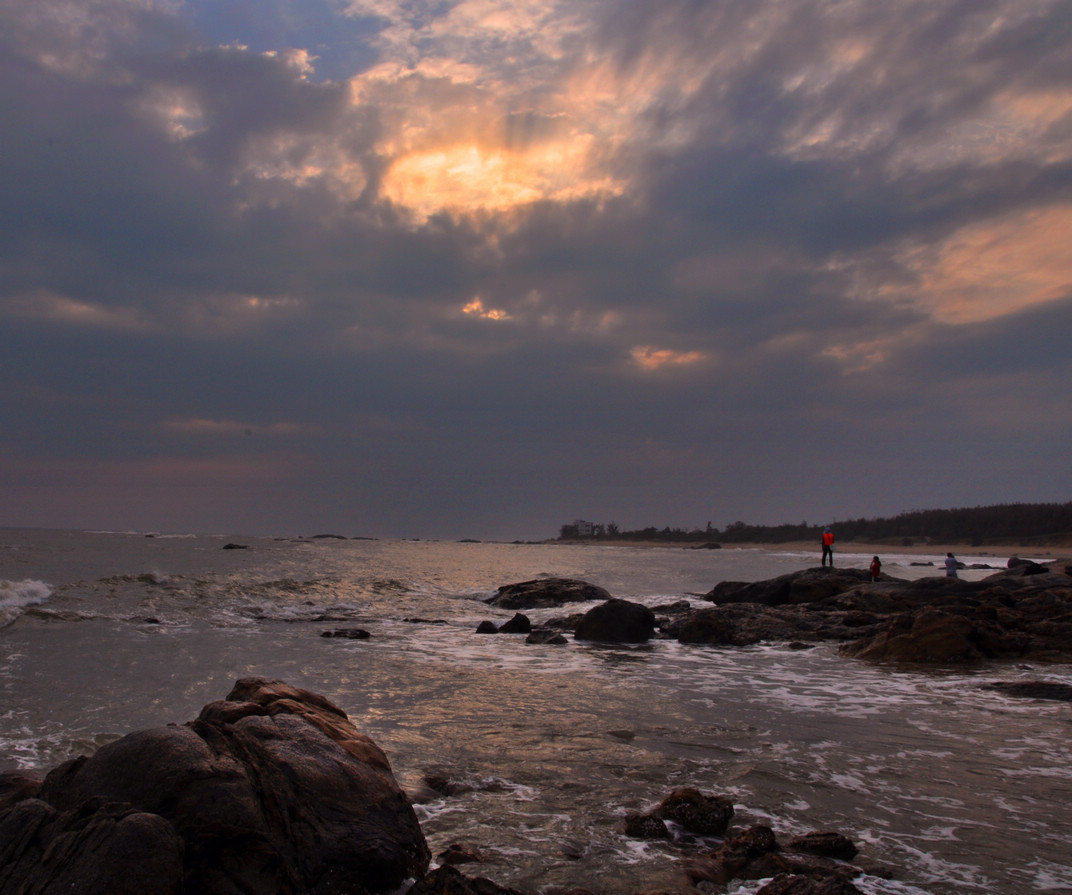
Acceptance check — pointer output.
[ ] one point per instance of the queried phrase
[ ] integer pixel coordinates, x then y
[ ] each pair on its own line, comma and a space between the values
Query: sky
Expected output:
480, 268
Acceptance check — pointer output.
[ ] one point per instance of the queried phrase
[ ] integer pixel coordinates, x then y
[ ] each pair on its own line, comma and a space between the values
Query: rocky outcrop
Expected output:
755, 853
617, 621
1024, 612
545, 593
272, 791
805, 586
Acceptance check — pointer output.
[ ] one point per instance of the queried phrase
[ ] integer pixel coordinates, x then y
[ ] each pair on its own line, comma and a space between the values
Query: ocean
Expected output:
958, 788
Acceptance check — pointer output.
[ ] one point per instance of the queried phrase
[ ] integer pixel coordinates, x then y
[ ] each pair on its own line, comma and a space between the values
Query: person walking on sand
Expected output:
876, 568
950, 566
828, 546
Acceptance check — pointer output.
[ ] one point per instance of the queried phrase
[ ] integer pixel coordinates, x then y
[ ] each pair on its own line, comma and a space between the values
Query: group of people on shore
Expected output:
876, 564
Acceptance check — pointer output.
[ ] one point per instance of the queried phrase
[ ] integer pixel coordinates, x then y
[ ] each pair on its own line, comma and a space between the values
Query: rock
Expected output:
519, 624
446, 880
441, 784
805, 586
645, 826
695, 812
732, 857
18, 785
486, 627
1033, 689
552, 638
617, 621
459, 853
1008, 615
234, 547
97, 848
348, 634
543, 593
744, 624
825, 844
931, 636
793, 884
272, 791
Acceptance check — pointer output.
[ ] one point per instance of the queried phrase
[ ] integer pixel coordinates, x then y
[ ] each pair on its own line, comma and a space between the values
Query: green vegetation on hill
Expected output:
1021, 523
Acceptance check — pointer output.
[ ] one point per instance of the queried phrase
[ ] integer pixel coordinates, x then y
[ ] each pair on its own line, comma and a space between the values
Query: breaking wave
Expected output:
16, 596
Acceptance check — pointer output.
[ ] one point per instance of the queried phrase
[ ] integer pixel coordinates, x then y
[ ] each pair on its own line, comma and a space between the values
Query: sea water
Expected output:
958, 788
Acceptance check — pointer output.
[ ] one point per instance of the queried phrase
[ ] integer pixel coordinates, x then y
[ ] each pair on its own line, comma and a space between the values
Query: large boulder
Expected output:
272, 791
544, 593
617, 621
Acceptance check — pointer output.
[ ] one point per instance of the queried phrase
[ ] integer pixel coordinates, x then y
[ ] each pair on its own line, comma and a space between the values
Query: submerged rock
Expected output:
272, 791
446, 880
543, 593
1033, 689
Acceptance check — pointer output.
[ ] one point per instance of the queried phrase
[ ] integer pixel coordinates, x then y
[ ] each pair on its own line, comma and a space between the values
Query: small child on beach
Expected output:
876, 568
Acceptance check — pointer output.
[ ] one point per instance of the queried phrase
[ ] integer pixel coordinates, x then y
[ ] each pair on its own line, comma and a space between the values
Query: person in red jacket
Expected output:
828, 546
876, 568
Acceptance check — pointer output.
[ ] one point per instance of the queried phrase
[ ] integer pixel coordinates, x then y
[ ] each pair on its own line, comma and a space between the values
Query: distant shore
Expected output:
1000, 551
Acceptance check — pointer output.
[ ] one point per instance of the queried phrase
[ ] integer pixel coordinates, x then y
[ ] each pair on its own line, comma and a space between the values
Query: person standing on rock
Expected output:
950, 566
828, 546
876, 568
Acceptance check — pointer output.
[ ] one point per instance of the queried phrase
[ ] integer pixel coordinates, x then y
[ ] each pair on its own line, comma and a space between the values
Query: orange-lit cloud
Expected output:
648, 358
993, 268
476, 308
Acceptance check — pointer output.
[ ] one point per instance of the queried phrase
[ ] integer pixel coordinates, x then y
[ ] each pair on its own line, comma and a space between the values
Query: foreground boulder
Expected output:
272, 791
545, 593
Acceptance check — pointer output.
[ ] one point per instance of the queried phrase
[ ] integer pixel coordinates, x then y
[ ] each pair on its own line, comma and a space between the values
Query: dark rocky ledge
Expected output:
1022, 613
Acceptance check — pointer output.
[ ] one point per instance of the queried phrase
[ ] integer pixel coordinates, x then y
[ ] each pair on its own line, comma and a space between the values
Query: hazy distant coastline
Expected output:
997, 528
1001, 551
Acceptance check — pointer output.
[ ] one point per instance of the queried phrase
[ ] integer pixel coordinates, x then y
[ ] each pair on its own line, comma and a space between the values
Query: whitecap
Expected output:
16, 596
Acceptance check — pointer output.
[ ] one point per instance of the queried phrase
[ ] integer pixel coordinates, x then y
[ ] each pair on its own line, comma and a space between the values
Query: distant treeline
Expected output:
1021, 523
